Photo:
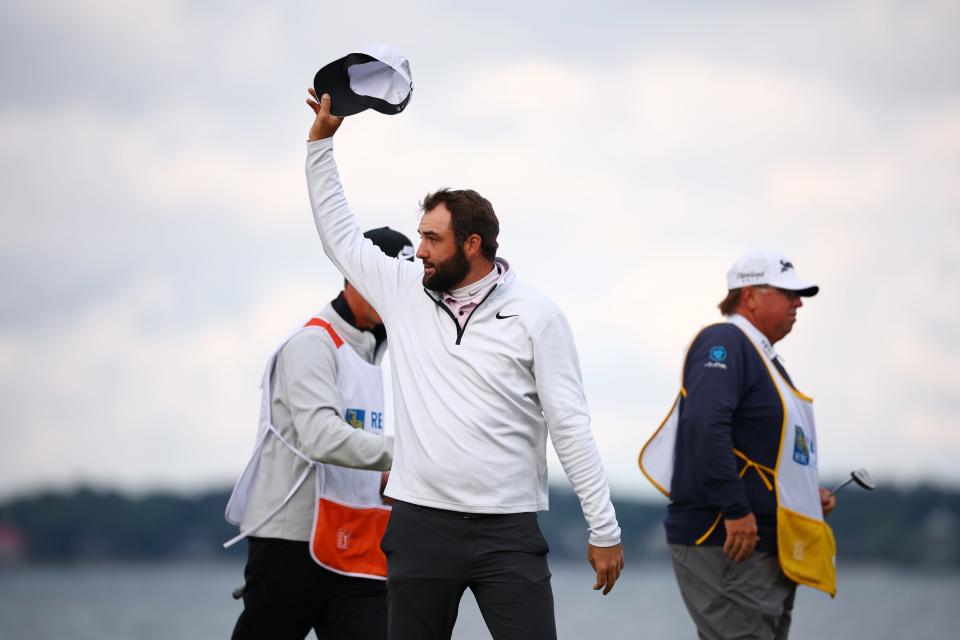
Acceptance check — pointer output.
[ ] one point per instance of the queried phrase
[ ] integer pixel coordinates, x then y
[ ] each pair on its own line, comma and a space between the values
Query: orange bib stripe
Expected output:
323, 324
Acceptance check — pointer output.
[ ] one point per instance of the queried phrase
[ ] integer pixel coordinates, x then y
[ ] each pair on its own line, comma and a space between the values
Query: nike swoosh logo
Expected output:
500, 317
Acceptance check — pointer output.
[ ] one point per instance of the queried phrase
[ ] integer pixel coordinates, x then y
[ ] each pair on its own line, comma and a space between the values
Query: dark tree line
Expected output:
916, 526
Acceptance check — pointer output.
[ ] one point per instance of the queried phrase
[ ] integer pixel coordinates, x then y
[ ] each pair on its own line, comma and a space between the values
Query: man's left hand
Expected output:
827, 502
608, 563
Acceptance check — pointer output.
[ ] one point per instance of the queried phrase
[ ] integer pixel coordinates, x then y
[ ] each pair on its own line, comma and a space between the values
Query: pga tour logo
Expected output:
343, 539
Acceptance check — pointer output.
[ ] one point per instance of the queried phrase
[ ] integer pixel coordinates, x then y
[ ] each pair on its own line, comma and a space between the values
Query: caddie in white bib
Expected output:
738, 455
349, 514
310, 501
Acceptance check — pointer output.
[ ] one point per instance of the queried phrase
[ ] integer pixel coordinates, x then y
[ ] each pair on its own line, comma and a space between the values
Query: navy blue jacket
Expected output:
731, 402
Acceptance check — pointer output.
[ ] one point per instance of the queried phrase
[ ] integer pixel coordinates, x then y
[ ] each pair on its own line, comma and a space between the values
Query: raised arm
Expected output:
564, 404
382, 280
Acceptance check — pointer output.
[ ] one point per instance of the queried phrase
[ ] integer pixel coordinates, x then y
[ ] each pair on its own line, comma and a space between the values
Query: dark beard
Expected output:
448, 273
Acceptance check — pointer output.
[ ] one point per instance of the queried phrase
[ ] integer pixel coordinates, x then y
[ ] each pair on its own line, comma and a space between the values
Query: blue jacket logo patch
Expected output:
718, 353
355, 418
801, 447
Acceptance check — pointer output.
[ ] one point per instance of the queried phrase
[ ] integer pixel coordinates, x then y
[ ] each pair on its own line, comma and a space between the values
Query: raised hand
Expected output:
324, 124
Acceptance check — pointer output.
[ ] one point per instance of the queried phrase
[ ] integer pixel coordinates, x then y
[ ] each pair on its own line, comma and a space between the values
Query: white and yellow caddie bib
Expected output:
349, 515
805, 543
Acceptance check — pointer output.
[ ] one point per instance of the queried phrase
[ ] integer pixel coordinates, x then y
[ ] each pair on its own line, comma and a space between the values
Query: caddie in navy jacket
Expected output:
731, 402
722, 521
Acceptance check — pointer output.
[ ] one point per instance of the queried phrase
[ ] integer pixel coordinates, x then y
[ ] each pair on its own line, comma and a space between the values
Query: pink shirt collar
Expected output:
465, 299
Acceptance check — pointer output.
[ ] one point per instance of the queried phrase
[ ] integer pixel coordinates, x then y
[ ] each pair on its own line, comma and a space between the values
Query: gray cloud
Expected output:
157, 239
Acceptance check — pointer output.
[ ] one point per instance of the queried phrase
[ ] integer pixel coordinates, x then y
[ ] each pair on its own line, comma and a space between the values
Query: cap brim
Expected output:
802, 289
333, 80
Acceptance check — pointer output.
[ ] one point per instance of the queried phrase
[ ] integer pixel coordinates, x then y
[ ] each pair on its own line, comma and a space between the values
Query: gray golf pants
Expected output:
728, 600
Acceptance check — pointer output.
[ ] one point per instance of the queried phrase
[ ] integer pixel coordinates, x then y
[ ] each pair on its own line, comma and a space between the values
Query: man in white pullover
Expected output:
484, 368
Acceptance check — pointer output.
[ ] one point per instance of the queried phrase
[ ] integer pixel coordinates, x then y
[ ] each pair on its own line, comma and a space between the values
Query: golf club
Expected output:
861, 477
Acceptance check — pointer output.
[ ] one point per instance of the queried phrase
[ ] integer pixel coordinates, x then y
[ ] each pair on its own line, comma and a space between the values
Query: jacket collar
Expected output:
363, 342
507, 277
379, 332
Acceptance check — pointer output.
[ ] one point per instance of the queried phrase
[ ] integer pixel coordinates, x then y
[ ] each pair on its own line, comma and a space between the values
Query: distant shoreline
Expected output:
915, 527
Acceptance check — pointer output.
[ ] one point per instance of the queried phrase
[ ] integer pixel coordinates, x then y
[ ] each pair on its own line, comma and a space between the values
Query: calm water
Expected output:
187, 601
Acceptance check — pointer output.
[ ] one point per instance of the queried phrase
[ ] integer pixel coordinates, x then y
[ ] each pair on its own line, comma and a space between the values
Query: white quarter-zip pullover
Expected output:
474, 400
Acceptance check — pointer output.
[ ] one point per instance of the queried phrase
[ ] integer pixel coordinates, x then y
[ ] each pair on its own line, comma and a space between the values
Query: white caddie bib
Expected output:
805, 543
349, 515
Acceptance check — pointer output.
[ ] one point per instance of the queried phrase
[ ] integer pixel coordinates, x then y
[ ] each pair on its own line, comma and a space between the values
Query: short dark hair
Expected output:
729, 304
470, 213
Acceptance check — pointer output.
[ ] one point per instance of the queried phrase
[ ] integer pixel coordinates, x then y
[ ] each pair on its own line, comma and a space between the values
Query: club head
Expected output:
862, 478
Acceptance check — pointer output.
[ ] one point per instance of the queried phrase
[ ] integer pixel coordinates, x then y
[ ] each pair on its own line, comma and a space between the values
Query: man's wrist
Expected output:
321, 143
604, 542
737, 512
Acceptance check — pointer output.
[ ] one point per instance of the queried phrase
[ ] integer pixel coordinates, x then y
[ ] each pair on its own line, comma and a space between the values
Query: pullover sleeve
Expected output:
564, 404
382, 280
306, 378
714, 374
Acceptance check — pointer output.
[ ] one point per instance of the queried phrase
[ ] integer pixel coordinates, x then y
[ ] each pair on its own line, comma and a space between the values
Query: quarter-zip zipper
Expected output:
443, 306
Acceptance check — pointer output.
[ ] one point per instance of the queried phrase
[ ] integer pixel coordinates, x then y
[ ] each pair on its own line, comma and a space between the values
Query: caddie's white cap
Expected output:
769, 268
375, 77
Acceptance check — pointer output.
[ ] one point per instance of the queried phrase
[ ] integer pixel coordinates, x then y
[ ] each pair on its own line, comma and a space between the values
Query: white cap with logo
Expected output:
768, 268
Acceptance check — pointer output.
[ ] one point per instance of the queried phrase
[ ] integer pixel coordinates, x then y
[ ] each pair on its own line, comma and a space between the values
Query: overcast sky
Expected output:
157, 240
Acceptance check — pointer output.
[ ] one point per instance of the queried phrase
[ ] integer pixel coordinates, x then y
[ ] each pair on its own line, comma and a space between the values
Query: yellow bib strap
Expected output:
762, 470
701, 539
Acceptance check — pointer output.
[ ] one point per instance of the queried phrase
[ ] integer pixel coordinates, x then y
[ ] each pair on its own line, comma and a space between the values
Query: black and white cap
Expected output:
768, 268
375, 77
